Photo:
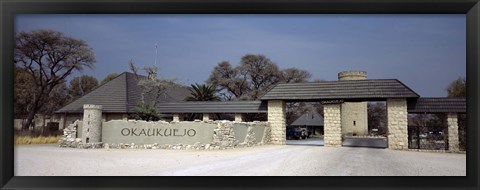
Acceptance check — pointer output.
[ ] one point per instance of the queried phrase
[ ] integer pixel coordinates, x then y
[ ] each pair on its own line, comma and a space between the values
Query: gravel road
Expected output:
268, 160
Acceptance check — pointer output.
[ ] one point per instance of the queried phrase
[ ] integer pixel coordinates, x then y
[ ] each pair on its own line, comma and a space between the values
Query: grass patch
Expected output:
22, 140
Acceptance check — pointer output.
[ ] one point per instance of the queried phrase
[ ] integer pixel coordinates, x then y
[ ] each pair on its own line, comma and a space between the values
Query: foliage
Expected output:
108, 78
252, 78
457, 88
145, 112
377, 117
294, 75
23, 92
152, 90
49, 58
202, 92
79, 86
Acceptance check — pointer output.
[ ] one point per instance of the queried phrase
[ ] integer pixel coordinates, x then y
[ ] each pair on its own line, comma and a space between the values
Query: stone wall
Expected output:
397, 122
276, 118
453, 141
209, 135
332, 125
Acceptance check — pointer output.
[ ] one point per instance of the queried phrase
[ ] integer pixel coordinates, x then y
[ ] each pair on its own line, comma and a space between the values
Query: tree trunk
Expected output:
30, 117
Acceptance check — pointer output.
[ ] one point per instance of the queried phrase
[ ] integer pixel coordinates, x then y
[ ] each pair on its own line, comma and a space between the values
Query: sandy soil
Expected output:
268, 160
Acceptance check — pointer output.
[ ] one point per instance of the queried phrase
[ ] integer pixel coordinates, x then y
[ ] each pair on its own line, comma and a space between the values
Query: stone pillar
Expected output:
92, 123
176, 117
397, 122
332, 125
277, 119
453, 142
239, 117
206, 117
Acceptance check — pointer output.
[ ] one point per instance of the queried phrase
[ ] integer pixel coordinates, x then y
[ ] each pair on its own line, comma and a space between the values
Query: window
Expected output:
354, 123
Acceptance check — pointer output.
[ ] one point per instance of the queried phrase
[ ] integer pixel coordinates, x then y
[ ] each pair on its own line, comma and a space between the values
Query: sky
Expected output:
425, 52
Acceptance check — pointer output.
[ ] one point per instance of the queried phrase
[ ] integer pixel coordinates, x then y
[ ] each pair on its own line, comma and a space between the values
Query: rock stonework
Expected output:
453, 142
70, 140
276, 117
332, 125
397, 124
92, 121
223, 135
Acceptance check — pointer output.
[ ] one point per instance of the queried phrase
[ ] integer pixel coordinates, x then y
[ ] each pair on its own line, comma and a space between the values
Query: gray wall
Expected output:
142, 132
240, 130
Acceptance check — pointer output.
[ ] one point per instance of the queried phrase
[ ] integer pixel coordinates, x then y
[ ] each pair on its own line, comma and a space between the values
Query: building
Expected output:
312, 120
118, 99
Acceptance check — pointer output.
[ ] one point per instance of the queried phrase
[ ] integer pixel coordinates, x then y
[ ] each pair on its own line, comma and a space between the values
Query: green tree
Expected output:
108, 78
79, 86
49, 58
23, 92
202, 92
457, 88
145, 112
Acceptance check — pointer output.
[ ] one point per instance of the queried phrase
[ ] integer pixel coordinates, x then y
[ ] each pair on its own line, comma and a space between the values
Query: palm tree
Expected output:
202, 93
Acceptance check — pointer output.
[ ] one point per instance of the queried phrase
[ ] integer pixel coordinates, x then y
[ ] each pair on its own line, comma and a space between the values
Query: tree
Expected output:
252, 78
294, 75
202, 93
229, 82
49, 58
262, 74
23, 92
145, 112
377, 117
79, 86
457, 88
108, 78
152, 90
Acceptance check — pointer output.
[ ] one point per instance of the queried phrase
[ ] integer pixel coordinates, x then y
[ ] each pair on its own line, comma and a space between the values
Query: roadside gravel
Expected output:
268, 160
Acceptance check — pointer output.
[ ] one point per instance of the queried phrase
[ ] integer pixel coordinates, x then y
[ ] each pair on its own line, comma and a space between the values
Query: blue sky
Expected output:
426, 52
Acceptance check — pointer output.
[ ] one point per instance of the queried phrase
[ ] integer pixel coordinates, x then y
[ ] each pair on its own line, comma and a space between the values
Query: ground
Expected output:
267, 160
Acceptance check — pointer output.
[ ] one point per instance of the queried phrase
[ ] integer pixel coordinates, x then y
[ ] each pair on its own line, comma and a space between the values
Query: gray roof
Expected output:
309, 119
214, 107
354, 90
121, 95
437, 105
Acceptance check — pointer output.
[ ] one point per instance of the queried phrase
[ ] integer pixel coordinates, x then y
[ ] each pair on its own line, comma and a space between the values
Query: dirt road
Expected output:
269, 160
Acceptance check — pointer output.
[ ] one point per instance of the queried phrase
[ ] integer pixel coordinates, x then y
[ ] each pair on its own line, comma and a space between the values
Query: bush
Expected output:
145, 112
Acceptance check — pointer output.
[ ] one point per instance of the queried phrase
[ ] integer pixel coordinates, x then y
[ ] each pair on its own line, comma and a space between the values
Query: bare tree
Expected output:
49, 57
252, 78
294, 75
262, 74
152, 91
230, 84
